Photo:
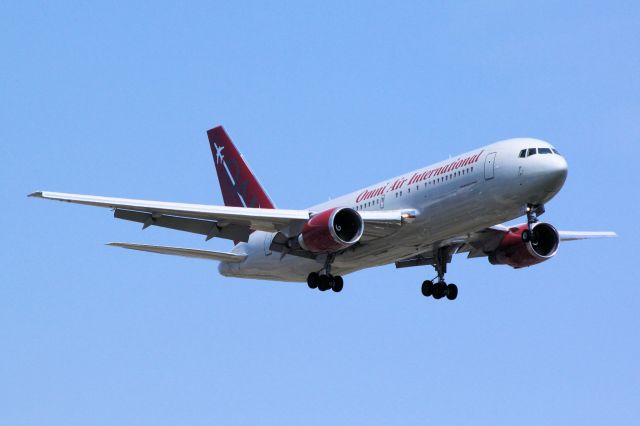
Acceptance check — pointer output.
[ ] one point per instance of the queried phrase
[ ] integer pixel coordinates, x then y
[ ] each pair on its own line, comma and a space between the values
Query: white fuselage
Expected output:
453, 198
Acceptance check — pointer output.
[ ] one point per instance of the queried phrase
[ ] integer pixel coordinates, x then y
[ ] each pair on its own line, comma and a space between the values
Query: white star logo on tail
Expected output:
219, 156
219, 160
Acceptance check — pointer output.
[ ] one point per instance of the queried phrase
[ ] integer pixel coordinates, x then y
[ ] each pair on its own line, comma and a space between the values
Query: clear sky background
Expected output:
322, 98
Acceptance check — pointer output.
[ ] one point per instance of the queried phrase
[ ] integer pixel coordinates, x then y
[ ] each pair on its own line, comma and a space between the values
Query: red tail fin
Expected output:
239, 186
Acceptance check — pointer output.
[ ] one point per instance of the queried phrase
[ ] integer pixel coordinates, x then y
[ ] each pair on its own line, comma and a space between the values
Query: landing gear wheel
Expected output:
427, 288
324, 283
439, 290
526, 235
312, 280
338, 283
452, 291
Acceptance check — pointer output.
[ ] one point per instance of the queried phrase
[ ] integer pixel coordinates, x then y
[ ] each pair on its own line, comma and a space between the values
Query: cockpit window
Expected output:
532, 151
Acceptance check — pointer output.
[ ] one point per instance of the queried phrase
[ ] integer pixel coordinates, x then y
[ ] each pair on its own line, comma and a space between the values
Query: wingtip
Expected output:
37, 194
609, 234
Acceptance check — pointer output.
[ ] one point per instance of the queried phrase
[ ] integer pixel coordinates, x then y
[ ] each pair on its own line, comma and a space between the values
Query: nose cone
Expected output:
553, 172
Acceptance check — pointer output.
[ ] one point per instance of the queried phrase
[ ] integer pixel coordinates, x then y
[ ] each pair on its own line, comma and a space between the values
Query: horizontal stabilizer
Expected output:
186, 252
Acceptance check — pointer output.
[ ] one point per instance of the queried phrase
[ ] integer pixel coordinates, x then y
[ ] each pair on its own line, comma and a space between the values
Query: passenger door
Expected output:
489, 166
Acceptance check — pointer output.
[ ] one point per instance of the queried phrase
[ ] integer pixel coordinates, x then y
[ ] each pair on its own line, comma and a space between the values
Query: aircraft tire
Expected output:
312, 280
452, 292
338, 283
324, 283
439, 290
427, 288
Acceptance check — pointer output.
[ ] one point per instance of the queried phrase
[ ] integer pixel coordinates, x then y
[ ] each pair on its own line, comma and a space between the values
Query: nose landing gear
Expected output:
533, 211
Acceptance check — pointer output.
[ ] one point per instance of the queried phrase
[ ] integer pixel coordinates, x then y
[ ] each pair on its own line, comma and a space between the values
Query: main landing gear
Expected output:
440, 288
326, 281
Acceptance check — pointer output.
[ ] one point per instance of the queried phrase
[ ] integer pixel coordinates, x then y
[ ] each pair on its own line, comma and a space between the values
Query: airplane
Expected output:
420, 218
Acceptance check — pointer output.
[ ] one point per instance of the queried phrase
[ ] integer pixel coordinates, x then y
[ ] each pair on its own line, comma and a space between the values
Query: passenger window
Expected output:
532, 151
522, 154
544, 151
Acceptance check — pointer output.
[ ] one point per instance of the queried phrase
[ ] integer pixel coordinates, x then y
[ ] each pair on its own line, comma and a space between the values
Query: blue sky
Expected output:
322, 98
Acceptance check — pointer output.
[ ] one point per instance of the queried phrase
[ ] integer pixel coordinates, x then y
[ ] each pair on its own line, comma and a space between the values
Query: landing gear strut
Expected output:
326, 281
440, 288
533, 211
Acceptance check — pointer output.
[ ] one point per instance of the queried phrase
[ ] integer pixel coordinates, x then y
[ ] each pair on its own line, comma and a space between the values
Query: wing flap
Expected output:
185, 252
210, 228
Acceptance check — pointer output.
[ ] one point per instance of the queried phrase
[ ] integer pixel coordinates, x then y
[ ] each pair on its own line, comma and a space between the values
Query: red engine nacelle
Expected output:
331, 230
513, 251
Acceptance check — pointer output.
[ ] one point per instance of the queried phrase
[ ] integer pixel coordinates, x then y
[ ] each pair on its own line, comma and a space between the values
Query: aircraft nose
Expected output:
555, 170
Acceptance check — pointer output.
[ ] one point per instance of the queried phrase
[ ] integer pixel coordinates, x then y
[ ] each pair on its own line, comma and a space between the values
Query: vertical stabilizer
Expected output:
238, 184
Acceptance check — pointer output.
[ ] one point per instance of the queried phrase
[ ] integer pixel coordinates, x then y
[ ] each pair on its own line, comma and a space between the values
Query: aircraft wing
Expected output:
483, 242
580, 235
260, 219
480, 243
186, 252
233, 223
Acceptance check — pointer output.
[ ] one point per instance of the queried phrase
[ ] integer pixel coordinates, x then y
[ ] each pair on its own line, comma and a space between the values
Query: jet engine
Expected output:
514, 251
331, 230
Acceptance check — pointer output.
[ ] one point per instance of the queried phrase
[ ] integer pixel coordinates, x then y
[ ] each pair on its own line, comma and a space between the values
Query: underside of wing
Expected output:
185, 252
380, 224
